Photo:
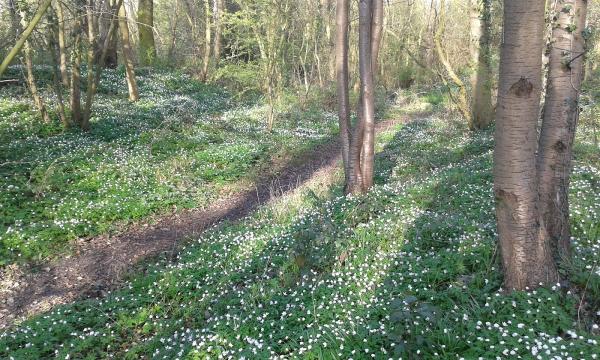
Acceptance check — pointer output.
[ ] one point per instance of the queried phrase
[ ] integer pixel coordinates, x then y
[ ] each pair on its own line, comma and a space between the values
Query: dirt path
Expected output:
101, 263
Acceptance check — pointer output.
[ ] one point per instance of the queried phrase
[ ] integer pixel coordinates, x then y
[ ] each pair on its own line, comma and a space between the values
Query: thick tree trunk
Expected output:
145, 18
482, 110
341, 65
559, 122
128, 55
527, 260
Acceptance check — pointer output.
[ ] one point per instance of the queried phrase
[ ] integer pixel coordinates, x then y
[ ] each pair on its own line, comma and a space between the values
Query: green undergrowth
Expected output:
408, 271
183, 145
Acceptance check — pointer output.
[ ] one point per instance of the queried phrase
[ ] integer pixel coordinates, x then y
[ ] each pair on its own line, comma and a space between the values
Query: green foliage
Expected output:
410, 270
179, 146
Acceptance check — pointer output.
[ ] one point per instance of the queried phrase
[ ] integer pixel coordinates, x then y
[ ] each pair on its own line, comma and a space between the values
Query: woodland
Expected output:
299, 179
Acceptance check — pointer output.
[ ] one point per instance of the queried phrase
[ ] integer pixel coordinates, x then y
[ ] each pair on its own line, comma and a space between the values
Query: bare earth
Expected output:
102, 262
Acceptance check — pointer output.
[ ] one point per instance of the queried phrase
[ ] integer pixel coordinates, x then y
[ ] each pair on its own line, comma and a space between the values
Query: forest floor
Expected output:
410, 270
102, 261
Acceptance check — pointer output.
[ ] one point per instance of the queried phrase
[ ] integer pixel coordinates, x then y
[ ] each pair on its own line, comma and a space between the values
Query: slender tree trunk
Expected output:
92, 46
219, 10
95, 72
128, 55
54, 48
207, 41
26, 33
341, 65
368, 60
112, 57
482, 111
462, 101
145, 18
30, 78
75, 95
62, 44
527, 260
560, 121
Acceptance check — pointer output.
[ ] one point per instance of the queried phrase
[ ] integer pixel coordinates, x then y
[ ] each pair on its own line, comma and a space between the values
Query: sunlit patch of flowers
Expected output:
176, 147
410, 270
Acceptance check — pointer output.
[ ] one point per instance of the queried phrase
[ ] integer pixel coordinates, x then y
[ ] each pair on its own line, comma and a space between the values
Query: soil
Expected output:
100, 264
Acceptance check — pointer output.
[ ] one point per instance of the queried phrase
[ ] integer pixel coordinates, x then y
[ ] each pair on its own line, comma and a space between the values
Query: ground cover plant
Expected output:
183, 145
408, 271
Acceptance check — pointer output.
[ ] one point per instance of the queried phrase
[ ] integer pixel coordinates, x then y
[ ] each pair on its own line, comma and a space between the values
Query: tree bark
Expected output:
462, 101
219, 10
128, 55
207, 41
26, 33
30, 78
75, 94
112, 57
482, 111
341, 66
526, 259
369, 45
561, 110
145, 18
62, 44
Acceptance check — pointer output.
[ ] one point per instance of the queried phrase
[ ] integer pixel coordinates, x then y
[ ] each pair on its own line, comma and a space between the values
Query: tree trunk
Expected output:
559, 122
92, 46
26, 33
527, 260
128, 55
482, 111
30, 78
76, 113
95, 68
112, 58
462, 101
207, 44
145, 18
219, 10
369, 45
341, 66
62, 44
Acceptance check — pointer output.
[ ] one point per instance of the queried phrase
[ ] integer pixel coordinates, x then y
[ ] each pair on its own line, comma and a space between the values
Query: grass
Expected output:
182, 145
408, 271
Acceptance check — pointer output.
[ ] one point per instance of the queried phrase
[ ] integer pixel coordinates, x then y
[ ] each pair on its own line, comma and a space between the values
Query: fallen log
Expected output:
9, 82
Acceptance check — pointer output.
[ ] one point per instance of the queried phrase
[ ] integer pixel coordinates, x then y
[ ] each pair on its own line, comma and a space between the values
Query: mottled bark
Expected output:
128, 55
145, 18
559, 122
526, 259
482, 111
